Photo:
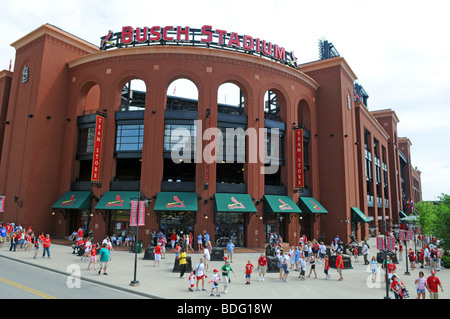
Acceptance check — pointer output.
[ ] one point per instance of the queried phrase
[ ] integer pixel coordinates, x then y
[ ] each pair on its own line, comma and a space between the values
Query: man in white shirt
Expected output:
365, 252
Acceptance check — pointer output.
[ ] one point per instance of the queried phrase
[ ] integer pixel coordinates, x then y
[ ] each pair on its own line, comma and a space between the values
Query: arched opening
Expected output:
179, 167
133, 96
230, 160
274, 159
90, 103
129, 135
232, 123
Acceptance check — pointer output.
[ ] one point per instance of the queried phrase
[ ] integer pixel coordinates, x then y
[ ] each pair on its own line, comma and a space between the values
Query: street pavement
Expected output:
162, 282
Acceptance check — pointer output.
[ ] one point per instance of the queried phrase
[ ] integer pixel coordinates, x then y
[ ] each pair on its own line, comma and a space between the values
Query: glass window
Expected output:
130, 137
86, 140
174, 134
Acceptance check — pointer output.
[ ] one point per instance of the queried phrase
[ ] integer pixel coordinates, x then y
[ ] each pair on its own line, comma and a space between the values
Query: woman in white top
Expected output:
200, 268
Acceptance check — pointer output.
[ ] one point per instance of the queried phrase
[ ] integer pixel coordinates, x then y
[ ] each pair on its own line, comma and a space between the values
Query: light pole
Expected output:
135, 282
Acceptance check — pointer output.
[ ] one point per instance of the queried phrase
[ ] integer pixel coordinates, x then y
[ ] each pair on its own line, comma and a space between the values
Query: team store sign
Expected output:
206, 37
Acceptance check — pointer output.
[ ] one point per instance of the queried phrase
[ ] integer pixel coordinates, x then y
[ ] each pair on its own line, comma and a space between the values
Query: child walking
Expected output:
248, 272
215, 283
192, 281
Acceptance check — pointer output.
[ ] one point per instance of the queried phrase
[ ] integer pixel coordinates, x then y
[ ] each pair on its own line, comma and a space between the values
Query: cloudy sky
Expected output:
399, 50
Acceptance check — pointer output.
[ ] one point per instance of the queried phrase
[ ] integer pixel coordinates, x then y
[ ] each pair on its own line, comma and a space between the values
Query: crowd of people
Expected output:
293, 259
20, 238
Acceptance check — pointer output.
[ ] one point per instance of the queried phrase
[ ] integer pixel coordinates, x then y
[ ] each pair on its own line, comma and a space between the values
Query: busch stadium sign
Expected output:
205, 37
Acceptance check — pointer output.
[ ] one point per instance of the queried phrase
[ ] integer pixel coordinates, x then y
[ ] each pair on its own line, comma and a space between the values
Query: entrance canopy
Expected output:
234, 203
280, 204
117, 200
311, 205
176, 201
74, 200
358, 216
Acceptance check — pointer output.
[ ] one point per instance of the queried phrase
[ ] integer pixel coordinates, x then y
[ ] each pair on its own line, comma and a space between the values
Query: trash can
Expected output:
138, 247
149, 255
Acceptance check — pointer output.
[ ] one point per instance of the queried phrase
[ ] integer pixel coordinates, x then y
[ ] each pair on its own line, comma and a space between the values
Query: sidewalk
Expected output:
161, 282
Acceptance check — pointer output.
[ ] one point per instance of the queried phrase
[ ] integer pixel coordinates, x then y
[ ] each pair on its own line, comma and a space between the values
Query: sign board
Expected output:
96, 158
298, 160
204, 37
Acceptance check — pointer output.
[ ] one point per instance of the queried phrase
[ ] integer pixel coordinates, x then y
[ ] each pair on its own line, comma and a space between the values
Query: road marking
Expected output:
38, 293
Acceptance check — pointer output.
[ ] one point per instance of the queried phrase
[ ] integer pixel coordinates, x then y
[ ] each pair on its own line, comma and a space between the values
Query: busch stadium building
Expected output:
97, 137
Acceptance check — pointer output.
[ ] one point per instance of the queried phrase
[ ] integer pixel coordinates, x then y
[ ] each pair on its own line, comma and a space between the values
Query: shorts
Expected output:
420, 291
339, 270
248, 276
93, 258
157, 257
321, 255
313, 266
263, 269
103, 264
325, 271
200, 277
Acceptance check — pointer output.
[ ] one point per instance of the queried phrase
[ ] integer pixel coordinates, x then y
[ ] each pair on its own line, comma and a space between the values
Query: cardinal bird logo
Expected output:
106, 39
69, 202
117, 202
284, 205
236, 205
177, 203
315, 206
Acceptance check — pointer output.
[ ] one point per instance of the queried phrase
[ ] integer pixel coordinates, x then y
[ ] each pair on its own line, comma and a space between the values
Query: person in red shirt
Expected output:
248, 272
326, 267
432, 285
157, 252
340, 265
46, 246
93, 257
173, 239
262, 266
397, 287
391, 267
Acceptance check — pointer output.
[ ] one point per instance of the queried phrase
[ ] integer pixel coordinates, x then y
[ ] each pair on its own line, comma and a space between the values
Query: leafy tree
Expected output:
441, 224
427, 215
435, 219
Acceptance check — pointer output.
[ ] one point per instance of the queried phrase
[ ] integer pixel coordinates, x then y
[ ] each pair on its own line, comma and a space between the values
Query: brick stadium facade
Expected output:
61, 83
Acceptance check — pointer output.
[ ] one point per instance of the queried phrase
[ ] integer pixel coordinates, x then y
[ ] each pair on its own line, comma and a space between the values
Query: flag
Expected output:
390, 244
141, 218
133, 212
380, 243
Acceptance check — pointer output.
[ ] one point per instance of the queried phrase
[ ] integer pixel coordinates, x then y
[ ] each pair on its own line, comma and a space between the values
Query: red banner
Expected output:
95, 173
137, 213
380, 243
141, 219
2, 204
298, 153
133, 212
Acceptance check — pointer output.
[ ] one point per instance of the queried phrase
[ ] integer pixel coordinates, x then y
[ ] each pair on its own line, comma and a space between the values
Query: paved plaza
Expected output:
162, 282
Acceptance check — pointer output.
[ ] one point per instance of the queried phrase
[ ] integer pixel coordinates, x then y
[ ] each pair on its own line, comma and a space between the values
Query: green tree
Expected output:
427, 216
441, 224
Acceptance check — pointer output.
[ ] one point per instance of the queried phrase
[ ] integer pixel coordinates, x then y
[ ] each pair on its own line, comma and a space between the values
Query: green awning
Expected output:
402, 214
74, 200
234, 203
358, 216
280, 204
117, 200
176, 201
311, 205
